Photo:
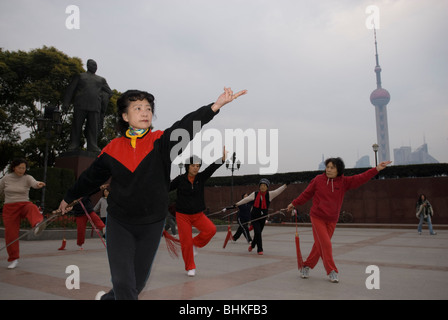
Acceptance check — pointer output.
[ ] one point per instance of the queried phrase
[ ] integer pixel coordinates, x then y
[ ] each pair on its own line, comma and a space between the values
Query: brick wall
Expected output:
378, 201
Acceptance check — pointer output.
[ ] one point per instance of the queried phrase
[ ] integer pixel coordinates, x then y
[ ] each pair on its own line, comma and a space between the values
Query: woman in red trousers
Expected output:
81, 220
190, 206
327, 191
15, 187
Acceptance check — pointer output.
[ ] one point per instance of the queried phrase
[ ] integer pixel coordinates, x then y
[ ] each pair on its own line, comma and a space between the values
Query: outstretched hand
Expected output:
226, 97
383, 165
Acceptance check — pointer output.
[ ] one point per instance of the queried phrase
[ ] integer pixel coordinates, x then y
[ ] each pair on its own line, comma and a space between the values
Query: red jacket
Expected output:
328, 194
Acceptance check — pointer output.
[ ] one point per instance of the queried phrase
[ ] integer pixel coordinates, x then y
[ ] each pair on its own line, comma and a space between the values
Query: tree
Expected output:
29, 82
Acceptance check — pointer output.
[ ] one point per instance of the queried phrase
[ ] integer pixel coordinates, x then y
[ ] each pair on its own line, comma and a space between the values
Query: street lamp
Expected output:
375, 148
232, 168
181, 166
50, 121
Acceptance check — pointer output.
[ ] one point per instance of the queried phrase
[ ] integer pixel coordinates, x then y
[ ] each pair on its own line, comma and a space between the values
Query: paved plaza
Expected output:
410, 266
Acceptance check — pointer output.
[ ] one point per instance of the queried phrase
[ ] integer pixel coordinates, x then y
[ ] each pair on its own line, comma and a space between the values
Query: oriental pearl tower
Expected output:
380, 97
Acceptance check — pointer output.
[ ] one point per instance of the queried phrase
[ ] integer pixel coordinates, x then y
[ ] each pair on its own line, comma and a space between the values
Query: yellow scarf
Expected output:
134, 134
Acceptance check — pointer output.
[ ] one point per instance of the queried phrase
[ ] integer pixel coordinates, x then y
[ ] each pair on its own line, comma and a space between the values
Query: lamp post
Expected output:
375, 148
181, 166
50, 121
232, 169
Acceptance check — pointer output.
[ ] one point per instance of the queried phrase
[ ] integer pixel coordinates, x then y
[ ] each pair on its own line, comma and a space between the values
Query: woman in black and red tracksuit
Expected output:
139, 165
190, 206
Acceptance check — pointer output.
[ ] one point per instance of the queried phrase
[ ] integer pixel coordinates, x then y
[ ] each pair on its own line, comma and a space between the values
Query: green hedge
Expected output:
58, 182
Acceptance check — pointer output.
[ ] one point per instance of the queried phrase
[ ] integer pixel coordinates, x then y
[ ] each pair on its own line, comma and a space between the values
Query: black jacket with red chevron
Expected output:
140, 177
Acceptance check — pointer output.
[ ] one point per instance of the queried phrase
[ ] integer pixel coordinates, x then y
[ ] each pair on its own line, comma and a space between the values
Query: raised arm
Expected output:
248, 199
276, 192
226, 97
177, 137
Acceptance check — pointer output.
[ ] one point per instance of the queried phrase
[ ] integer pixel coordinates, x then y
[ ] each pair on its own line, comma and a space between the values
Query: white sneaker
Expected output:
191, 273
13, 264
305, 272
333, 276
99, 295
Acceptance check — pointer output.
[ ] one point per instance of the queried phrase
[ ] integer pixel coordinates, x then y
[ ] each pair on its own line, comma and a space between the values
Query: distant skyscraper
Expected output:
380, 98
404, 155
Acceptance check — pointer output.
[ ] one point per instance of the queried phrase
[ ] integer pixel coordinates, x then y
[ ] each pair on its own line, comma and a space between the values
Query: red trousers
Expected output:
322, 248
207, 230
12, 214
81, 223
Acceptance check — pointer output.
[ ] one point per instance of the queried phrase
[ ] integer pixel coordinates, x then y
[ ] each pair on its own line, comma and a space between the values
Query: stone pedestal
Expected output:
78, 161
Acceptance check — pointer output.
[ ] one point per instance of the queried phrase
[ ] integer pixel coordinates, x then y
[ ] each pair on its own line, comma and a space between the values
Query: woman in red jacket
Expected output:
327, 191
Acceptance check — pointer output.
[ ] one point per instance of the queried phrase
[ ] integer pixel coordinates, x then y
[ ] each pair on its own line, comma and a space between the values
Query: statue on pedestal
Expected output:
90, 94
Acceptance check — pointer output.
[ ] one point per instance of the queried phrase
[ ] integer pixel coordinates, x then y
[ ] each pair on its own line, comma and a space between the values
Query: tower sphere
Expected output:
380, 96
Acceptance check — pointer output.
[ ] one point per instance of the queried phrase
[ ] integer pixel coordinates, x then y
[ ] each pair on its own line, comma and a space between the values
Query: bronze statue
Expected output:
90, 94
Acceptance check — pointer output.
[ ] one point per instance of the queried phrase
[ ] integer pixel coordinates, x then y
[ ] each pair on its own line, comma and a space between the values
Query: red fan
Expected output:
229, 229
172, 244
228, 236
64, 243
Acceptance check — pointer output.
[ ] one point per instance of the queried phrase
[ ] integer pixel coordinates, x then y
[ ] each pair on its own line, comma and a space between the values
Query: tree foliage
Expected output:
29, 82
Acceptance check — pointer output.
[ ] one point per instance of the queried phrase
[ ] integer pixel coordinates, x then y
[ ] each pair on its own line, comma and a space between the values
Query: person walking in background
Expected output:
81, 220
15, 188
327, 191
424, 213
243, 219
101, 205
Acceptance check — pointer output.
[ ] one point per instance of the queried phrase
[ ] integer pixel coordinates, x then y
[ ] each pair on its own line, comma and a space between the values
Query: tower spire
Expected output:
377, 67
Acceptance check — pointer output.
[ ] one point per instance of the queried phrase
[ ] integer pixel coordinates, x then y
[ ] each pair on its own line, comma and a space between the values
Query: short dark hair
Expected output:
192, 160
16, 162
123, 104
338, 162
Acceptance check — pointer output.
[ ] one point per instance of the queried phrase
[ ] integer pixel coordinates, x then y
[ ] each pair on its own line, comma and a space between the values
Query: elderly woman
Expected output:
261, 202
327, 191
15, 186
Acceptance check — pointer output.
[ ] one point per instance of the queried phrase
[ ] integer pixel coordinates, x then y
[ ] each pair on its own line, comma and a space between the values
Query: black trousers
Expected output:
258, 229
242, 229
131, 250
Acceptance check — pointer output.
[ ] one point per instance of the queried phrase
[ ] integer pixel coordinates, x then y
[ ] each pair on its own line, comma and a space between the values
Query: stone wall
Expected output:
378, 201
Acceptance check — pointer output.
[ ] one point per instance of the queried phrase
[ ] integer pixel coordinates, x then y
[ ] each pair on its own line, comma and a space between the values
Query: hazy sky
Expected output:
308, 67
